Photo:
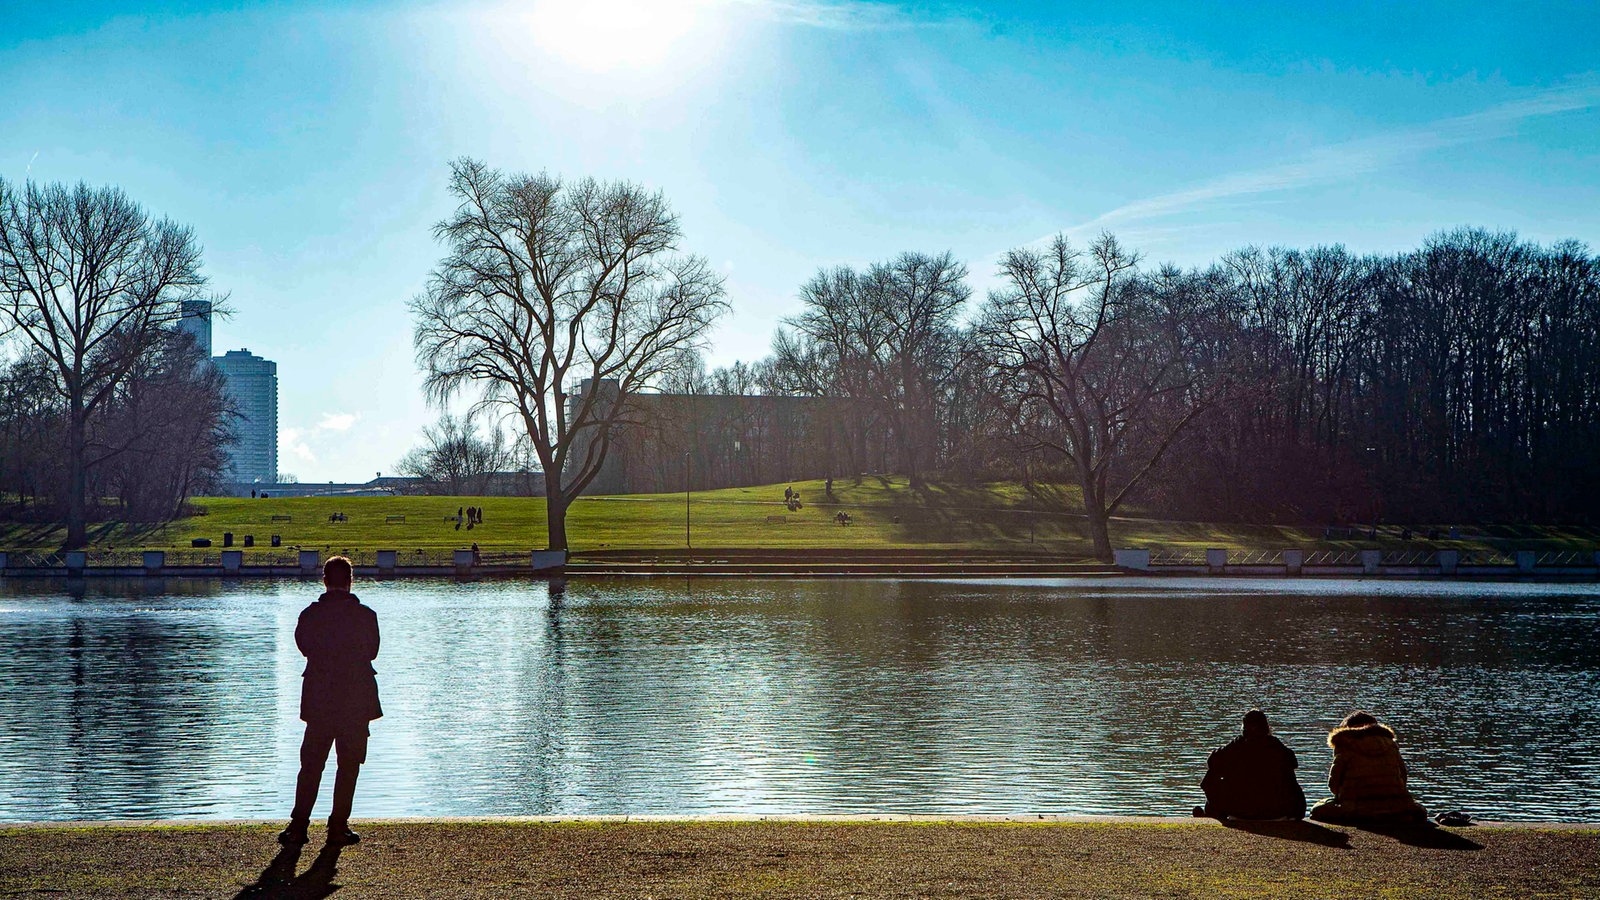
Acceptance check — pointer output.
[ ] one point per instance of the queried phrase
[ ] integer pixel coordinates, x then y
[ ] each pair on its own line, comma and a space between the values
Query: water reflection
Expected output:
178, 698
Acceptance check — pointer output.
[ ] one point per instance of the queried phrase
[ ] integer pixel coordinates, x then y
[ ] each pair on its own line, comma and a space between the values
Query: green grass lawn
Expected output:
886, 514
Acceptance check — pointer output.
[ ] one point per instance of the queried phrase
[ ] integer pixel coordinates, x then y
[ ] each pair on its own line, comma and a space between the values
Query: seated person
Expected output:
1368, 779
1253, 776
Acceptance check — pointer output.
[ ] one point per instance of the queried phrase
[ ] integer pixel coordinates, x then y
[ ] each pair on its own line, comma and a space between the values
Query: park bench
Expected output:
390, 520
777, 520
283, 518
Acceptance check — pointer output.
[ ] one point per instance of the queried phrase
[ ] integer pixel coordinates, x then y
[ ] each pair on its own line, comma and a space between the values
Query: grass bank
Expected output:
1190, 859
886, 514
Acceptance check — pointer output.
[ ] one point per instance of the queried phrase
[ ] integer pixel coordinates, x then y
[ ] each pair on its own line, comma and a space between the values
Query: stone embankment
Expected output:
891, 563
1529, 564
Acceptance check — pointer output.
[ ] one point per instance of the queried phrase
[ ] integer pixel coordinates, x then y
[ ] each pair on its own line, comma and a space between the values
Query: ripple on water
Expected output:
148, 699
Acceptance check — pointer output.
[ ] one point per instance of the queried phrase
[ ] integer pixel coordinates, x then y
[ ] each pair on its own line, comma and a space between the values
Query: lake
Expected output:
178, 698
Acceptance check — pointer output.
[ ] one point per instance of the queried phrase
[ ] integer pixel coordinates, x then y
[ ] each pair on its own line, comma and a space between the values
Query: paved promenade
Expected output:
801, 857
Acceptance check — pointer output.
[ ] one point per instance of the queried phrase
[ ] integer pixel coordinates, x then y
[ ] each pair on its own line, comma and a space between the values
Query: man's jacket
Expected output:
339, 638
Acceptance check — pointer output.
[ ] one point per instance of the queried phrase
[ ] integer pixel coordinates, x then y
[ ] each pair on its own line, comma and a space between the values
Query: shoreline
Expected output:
214, 573
1442, 565
751, 819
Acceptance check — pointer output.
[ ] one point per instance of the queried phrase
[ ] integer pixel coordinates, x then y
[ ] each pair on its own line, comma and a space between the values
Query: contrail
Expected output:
1340, 161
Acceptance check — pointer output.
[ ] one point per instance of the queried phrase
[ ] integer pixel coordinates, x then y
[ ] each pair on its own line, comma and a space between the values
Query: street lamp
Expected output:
687, 542
1027, 481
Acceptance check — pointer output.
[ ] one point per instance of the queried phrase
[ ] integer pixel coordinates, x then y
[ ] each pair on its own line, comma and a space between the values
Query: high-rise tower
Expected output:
253, 387
196, 321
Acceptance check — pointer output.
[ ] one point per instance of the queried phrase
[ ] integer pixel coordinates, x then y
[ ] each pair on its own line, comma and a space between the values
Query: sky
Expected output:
308, 143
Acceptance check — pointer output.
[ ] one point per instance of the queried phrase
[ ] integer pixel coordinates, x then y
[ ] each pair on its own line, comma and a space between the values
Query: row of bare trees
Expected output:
1077, 361
100, 395
1458, 381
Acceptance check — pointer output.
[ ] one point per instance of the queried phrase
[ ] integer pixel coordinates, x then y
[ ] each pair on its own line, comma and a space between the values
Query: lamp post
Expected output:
687, 542
1027, 479
1372, 477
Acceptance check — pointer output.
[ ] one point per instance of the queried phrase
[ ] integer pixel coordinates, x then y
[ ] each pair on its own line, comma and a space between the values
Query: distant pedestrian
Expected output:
1368, 778
252, 493
480, 515
338, 698
788, 494
1252, 777
476, 558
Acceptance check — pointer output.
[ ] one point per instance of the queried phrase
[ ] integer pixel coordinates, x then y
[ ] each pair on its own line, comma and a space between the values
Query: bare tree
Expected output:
169, 423
548, 288
1101, 362
455, 459
886, 339
91, 283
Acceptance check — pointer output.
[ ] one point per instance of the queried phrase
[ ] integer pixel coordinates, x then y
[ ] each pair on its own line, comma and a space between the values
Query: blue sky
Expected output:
308, 143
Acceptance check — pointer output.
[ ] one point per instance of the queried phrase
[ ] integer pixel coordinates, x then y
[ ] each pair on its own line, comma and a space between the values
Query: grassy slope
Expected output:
991, 516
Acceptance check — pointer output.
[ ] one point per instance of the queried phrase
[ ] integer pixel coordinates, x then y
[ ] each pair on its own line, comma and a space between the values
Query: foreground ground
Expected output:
886, 514
1197, 859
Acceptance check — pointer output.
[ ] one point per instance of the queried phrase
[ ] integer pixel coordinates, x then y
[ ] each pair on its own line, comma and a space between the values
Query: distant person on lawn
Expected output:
1252, 777
338, 697
1368, 779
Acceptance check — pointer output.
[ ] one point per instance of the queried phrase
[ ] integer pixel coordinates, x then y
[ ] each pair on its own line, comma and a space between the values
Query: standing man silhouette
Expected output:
338, 697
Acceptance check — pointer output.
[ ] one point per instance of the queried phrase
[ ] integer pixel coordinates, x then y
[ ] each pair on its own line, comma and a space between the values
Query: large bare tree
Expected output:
1107, 368
92, 284
548, 286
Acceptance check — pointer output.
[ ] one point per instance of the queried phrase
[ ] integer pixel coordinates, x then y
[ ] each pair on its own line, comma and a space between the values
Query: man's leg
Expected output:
352, 746
313, 757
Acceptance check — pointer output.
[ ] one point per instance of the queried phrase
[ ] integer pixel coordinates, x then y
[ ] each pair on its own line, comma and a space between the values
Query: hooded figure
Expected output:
1253, 776
1368, 779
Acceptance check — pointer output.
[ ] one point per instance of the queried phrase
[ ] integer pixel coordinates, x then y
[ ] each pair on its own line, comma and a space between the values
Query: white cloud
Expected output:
291, 442
338, 421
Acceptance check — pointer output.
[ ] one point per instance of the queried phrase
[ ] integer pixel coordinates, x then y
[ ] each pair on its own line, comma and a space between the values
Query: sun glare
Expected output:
606, 35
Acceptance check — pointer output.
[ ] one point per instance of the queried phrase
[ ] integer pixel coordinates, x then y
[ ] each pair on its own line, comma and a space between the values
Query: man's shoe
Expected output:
342, 836
1199, 812
293, 836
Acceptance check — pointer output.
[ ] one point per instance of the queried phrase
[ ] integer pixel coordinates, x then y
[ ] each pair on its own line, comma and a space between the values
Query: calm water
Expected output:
179, 698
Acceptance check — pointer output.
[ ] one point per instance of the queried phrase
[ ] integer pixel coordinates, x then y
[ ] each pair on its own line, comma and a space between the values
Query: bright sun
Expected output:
605, 35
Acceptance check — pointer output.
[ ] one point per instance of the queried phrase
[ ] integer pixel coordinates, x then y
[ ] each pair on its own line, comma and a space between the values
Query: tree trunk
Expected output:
77, 481
555, 512
1100, 532
1094, 510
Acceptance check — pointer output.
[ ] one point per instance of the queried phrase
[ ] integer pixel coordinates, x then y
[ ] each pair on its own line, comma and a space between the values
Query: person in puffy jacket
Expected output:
1252, 777
1368, 778
338, 698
